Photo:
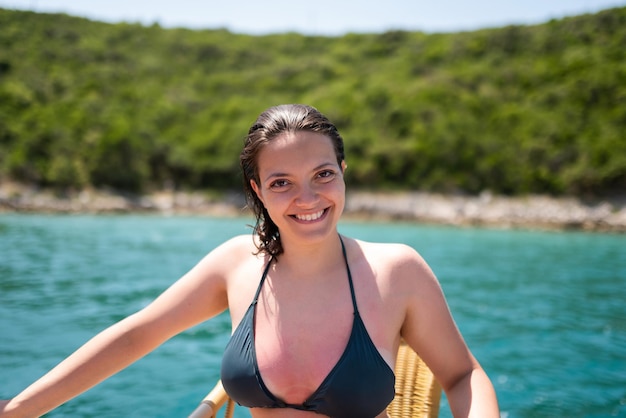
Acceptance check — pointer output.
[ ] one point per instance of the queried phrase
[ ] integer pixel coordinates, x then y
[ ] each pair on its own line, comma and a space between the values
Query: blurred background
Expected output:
425, 97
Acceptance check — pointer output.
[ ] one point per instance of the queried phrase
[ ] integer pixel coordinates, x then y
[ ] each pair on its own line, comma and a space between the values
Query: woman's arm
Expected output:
431, 331
473, 395
107, 353
197, 296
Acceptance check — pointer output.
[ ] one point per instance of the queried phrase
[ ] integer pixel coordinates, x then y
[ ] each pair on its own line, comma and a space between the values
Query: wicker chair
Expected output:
417, 392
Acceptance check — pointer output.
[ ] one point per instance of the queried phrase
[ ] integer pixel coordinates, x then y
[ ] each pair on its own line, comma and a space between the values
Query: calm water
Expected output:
543, 312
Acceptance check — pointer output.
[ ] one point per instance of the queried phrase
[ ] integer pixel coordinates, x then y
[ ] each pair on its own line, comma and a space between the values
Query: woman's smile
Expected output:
310, 217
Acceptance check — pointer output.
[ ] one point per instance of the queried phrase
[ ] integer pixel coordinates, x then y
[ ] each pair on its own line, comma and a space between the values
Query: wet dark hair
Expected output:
269, 125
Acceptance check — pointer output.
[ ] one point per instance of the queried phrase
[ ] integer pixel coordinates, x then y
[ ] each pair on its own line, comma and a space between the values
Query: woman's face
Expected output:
301, 185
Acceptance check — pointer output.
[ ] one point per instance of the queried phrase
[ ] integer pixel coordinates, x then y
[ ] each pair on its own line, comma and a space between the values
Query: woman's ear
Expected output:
257, 190
343, 166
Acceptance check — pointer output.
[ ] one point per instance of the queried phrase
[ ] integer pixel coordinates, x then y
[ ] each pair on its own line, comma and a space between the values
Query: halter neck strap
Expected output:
345, 257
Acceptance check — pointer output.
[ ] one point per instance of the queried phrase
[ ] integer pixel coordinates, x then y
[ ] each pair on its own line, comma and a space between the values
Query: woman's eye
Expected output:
277, 184
326, 174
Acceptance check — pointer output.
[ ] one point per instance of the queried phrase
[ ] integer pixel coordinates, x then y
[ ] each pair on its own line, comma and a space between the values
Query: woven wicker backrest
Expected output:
417, 392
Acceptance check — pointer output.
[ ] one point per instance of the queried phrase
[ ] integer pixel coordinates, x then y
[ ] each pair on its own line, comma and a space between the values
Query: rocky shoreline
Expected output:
531, 212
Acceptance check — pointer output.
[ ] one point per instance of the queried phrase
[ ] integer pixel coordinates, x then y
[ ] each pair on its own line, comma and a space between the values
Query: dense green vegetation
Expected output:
519, 109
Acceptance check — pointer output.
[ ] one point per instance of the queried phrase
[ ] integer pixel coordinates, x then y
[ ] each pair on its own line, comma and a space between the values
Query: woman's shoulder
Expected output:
242, 242
388, 252
397, 261
233, 252
238, 244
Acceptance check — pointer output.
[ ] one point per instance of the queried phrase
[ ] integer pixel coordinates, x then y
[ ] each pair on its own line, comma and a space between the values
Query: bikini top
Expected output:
360, 385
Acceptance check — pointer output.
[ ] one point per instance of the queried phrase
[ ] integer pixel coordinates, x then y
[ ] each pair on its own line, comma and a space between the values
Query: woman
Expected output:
317, 317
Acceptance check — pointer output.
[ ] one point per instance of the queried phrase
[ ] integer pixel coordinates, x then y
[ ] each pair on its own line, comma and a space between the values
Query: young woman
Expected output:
317, 316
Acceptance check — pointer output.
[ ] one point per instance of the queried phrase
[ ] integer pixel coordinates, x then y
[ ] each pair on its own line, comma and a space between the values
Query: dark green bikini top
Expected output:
361, 384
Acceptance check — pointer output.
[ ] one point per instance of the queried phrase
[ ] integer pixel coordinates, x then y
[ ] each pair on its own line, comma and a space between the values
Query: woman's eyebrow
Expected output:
274, 175
281, 174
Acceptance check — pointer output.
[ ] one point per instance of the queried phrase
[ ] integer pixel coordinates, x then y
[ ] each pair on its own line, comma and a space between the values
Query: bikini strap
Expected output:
345, 257
258, 290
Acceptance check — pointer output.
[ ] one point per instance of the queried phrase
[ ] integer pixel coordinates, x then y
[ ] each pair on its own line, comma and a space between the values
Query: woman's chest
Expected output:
299, 338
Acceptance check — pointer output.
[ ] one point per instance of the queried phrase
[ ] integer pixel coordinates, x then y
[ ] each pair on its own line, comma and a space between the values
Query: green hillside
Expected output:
519, 109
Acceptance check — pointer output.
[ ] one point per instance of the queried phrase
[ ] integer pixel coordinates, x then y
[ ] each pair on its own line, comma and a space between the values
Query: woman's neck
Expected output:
312, 258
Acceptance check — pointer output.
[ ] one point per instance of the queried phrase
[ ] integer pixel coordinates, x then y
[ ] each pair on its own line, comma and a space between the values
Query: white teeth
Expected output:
311, 216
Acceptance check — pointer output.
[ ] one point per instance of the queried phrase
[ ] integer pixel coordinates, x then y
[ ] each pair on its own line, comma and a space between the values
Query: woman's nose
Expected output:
307, 196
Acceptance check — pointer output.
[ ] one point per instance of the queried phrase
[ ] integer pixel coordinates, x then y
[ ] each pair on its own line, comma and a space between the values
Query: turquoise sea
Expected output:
544, 312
